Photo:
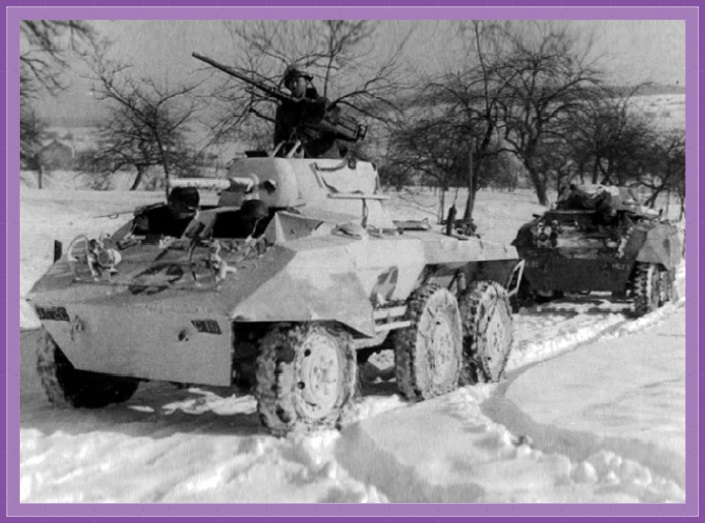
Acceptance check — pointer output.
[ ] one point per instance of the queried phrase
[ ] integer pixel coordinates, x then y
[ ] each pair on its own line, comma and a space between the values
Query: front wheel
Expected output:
66, 386
306, 374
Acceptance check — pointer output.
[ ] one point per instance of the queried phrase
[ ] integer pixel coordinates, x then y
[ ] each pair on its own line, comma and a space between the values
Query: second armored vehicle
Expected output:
598, 238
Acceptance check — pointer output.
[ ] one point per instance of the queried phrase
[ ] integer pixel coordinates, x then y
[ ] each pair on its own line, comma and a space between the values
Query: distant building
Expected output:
56, 156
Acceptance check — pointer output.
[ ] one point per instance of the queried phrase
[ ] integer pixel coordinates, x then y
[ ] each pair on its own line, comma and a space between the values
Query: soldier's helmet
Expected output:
290, 73
184, 199
253, 210
295, 80
251, 215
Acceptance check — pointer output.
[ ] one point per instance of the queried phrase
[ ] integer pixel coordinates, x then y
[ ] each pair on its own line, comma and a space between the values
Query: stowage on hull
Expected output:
294, 277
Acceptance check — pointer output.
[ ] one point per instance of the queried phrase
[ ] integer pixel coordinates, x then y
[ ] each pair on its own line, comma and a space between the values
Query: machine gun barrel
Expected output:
275, 93
342, 126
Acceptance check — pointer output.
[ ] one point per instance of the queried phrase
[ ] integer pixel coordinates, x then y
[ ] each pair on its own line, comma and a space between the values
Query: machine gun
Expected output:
344, 127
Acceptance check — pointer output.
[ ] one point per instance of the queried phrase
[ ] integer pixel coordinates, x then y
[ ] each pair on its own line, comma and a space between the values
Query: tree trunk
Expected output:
595, 172
138, 179
166, 177
539, 184
668, 202
40, 176
165, 164
651, 200
470, 204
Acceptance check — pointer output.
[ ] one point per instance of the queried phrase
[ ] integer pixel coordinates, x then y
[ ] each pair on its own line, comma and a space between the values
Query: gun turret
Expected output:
342, 126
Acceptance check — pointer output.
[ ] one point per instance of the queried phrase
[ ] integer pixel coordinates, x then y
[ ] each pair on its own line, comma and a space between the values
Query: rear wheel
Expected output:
665, 287
647, 288
428, 352
487, 332
67, 386
306, 374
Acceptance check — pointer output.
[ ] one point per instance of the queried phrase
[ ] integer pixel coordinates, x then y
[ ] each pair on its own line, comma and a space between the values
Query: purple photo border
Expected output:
14, 10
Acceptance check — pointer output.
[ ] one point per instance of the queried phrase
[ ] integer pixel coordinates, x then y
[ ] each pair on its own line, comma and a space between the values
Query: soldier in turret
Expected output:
303, 115
302, 118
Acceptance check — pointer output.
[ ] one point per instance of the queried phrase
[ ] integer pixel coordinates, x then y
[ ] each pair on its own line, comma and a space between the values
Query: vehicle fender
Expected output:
661, 246
312, 295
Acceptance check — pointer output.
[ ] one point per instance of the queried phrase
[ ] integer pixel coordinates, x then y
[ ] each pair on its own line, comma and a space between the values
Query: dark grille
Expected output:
207, 326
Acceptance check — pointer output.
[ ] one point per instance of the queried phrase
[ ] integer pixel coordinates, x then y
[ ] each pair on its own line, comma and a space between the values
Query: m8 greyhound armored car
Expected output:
296, 275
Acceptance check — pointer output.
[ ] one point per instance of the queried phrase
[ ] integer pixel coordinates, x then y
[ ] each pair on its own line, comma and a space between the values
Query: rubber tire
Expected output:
414, 376
478, 304
647, 288
280, 403
666, 288
65, 386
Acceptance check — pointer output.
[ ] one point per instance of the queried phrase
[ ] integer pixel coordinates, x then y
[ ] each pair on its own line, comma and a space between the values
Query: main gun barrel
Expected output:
220, 184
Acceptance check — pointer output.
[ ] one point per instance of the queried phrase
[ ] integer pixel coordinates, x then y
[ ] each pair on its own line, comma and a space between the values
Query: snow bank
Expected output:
603, 424
617, 406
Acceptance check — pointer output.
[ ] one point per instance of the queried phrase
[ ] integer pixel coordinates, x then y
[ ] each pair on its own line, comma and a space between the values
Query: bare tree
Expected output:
341, 55
46, 48
32, 130
434, 147
464, 107
678, 180
605, 138
667, 168
473, 96
548, 72
147, 122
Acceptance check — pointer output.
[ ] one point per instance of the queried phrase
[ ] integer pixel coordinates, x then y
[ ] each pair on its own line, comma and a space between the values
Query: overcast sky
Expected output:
631, 51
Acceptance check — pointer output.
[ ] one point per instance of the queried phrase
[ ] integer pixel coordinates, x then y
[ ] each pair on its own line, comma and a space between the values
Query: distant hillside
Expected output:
70, 122
650, 89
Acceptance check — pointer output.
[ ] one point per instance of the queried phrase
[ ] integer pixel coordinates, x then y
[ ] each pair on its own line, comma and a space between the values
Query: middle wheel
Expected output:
428, 353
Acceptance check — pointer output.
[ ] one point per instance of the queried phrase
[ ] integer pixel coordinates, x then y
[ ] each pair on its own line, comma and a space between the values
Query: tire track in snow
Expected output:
544, 331
651, 473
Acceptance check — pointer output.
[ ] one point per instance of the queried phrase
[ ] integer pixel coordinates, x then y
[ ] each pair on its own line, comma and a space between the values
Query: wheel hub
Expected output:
496, 342
319, 375
442, 348
655, 288
664, 288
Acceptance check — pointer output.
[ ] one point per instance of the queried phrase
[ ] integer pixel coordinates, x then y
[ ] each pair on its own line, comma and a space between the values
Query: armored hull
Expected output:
306, 291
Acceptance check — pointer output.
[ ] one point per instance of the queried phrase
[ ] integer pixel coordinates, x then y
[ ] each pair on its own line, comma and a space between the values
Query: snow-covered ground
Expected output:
593, 408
